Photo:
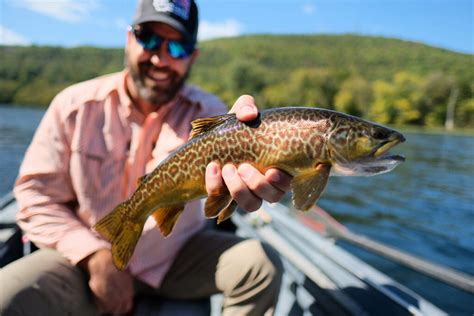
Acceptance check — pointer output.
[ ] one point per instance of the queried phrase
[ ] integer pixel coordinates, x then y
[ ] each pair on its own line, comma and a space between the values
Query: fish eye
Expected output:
380, 134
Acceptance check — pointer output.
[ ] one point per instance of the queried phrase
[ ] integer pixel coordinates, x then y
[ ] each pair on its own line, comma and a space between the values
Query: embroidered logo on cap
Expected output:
180, 8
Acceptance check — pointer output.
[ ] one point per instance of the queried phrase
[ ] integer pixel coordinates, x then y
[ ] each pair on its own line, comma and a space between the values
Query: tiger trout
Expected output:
308, 143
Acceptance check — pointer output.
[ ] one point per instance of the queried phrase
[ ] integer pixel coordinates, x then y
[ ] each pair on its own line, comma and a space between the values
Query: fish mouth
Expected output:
384, 163
382, 152
387, 158
380, 161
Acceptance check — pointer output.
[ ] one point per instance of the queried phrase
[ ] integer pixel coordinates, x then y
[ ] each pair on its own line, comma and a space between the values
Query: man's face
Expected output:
156, 76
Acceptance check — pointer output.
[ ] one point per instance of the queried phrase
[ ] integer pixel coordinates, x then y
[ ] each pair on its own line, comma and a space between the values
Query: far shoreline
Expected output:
410, 129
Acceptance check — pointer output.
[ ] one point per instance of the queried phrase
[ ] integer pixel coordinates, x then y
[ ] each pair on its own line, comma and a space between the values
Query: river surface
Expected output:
425, 206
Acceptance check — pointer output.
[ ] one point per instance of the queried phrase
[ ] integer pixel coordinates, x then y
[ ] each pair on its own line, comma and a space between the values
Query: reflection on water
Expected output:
425, 206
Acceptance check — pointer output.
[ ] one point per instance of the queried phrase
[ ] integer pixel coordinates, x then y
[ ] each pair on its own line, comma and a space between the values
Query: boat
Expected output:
320, 277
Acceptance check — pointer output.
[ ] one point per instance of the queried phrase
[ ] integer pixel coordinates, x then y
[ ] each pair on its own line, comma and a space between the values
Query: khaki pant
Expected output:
247, 272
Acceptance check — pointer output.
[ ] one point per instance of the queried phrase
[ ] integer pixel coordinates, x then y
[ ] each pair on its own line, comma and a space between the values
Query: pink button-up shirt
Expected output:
85, 158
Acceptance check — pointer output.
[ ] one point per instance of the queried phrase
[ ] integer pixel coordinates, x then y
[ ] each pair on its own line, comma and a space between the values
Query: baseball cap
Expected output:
180, 14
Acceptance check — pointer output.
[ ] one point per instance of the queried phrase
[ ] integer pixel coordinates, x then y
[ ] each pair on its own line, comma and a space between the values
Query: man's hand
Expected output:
247, 186
113, 289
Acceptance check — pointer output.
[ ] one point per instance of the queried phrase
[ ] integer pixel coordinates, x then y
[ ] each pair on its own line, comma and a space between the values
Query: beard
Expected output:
148, 89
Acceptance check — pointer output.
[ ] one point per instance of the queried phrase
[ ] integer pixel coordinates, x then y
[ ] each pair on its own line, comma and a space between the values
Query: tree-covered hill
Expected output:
388, 80
371, 57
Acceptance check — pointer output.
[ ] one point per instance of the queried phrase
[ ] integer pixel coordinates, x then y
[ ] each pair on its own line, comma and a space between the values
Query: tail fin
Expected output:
120, 229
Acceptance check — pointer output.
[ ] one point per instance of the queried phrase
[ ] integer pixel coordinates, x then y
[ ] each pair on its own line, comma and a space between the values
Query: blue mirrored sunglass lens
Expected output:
177, 50
151, 42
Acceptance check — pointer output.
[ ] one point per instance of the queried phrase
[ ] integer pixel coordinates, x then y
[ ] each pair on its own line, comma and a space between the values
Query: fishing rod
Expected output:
330, 227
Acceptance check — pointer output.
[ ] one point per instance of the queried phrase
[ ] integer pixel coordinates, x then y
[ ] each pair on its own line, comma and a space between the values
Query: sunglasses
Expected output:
152, 41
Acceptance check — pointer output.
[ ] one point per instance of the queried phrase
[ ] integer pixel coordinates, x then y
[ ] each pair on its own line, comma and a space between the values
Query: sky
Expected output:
441, 23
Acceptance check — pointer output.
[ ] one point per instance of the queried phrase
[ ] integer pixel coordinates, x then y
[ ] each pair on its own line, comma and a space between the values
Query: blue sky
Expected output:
442, 23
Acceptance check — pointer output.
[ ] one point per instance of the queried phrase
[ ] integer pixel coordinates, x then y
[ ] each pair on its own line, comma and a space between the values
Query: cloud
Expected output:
309, 9
65, 10
121, 23
228, 28
9, 37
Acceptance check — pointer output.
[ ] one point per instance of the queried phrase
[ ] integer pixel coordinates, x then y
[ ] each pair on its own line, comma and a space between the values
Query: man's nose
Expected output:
159, 57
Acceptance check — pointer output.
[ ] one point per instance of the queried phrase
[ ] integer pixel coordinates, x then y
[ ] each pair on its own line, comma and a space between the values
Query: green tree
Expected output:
465, 113
436, 91
354, 97
7, 90
244, 77
38, 93
397, 102
304, 87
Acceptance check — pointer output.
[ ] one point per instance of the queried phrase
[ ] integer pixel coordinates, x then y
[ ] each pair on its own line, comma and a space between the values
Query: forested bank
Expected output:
386, 80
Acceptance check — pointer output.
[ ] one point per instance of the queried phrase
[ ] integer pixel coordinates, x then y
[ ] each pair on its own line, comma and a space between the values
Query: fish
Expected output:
310, 144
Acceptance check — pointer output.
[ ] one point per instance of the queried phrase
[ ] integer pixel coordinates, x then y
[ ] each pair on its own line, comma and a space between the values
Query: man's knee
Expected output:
19, 300
255, 267
43, 283
18, 281
263, 260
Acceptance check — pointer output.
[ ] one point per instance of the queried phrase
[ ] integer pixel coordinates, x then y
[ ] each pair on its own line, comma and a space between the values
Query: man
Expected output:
95, 140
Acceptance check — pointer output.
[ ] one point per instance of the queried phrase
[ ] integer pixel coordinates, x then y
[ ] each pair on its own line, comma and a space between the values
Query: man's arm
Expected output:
45, 195
247, 186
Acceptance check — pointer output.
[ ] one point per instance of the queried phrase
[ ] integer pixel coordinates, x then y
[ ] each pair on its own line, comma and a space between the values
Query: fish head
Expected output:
361, 148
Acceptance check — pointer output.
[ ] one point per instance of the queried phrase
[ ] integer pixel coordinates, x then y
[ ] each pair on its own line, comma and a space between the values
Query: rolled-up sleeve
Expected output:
46, 198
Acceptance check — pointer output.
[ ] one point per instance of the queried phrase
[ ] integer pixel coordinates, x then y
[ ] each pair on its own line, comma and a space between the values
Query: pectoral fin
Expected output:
308, 187
216, 203
166, 217
227, 212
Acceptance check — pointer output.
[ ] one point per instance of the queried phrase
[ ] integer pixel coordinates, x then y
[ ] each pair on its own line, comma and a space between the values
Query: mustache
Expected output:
145, 66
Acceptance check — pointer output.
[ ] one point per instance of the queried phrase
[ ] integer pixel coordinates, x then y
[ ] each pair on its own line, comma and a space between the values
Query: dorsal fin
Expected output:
203, 125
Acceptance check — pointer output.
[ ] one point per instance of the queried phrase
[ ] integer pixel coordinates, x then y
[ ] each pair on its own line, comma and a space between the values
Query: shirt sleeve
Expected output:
45, 195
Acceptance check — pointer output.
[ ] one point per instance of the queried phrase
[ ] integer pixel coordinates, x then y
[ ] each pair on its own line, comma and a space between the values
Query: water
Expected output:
17, 126
425, 206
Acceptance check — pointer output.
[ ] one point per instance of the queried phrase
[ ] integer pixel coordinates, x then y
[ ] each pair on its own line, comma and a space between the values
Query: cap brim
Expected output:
167, 20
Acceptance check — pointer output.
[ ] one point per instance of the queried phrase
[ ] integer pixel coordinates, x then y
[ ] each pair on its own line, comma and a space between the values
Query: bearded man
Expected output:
95, 140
